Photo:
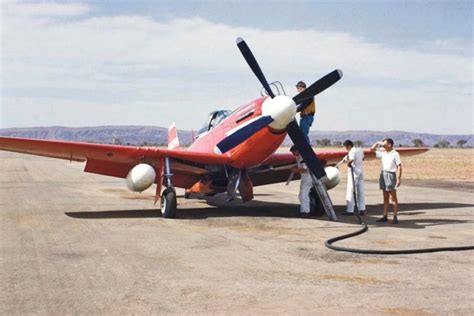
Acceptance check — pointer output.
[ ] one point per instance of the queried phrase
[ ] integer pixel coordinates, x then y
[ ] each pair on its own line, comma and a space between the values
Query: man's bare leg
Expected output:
386, 196
395, 202
395, 206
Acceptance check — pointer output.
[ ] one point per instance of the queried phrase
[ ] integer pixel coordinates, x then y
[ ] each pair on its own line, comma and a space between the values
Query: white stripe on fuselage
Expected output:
238, 127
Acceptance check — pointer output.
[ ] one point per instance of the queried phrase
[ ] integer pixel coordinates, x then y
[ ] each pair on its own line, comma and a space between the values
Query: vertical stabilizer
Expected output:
173, 141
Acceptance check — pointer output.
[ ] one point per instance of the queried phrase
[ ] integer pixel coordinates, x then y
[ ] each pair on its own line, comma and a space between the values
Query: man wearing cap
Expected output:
307, 108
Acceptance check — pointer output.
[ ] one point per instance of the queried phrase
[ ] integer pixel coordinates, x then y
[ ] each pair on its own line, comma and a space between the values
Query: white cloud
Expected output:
113, 61
450, 46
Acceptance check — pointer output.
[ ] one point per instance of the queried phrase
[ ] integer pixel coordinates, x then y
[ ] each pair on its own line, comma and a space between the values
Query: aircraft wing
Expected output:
117, 160
277, 167
187, 167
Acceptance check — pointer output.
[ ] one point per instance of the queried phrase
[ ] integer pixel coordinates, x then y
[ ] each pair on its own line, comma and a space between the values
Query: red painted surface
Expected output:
208, 141
77, 151
172, 133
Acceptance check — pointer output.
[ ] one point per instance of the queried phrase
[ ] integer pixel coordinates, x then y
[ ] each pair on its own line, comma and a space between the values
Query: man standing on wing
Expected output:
390, 177
354, 159
308, 109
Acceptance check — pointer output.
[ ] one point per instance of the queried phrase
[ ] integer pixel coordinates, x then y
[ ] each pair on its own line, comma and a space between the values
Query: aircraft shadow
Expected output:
406, 210
219, 208
404, 222
285, 210
115, 214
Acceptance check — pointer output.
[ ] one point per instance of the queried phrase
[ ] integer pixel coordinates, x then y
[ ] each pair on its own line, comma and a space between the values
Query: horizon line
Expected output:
190, 130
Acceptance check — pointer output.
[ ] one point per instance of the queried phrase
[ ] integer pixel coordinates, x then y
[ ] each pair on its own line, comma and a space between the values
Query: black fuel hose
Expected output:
329, 243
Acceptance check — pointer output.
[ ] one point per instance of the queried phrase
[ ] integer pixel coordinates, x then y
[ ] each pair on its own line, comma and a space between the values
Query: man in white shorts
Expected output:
390, 176
354, 160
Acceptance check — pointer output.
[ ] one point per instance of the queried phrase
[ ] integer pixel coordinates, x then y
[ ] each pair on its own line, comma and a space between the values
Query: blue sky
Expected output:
393, 22
407, 64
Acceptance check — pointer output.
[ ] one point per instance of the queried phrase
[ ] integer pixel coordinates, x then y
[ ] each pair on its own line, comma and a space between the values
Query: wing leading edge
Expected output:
78, 151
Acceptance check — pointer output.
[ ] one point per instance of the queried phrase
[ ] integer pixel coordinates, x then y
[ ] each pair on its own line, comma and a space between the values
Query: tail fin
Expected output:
173, 141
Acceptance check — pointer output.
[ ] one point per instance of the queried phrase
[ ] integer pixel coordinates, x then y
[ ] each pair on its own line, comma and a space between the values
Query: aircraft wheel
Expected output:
168, 203
315, 205
187, 194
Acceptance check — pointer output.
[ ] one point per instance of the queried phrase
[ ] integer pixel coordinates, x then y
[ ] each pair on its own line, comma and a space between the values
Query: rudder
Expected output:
173, 140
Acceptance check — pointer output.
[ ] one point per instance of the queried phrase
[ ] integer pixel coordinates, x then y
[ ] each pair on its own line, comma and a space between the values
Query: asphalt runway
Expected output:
77, 243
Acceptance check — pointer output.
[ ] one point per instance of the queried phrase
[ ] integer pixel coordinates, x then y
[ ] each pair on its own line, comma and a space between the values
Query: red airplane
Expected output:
234, 151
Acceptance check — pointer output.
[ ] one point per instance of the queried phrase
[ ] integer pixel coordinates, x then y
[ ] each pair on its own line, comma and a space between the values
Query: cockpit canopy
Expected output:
214, 118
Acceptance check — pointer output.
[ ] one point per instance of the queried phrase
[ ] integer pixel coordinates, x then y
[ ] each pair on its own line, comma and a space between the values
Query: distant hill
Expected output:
399, 137
154, 135
134, 135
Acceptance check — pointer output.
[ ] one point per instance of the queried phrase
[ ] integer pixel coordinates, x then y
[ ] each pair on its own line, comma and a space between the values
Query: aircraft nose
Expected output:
282, 110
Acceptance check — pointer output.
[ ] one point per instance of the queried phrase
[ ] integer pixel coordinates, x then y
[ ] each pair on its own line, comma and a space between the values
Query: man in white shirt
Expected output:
305, 184
354, 159
390, 177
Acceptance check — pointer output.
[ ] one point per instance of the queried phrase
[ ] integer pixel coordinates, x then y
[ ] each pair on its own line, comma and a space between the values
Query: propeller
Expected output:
318, 87
281, 109
306, 151
252, 62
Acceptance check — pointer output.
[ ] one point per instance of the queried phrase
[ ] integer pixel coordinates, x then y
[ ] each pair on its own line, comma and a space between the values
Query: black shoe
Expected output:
382, 220
347, 214
305, 215
361, 213
395, 220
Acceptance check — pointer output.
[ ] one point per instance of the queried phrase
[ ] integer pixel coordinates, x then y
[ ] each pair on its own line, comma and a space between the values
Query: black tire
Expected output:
168, 203
315, 205
187, 194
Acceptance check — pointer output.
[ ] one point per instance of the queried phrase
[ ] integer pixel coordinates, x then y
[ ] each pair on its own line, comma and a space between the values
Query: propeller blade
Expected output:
306, 151
318, 87
243, 134
252, 62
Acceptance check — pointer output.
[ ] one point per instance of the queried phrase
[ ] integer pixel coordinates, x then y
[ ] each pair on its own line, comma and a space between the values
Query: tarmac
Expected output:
78, 243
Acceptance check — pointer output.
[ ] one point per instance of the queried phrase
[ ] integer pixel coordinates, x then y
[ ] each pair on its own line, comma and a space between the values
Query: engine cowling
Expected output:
332, 178
140, 177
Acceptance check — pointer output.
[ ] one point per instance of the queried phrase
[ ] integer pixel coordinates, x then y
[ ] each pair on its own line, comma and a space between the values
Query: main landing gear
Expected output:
315, 206
168, 203
168, 197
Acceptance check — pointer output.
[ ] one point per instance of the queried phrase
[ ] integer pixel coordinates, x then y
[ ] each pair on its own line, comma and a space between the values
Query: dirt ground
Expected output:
77, 243
440, 165
437, 164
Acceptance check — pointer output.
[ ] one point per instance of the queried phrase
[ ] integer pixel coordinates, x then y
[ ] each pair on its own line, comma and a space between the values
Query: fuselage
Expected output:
252, 151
